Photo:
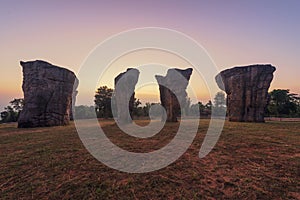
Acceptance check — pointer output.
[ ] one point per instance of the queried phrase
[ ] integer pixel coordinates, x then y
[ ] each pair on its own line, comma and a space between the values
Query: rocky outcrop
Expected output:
48, 92
247, 91
124, 94
172, 88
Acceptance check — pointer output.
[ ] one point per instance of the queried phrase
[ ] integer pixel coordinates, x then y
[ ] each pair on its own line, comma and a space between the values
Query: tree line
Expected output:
281, 103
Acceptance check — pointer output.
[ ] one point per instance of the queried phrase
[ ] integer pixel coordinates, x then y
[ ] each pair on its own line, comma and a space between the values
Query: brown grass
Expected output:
250, 161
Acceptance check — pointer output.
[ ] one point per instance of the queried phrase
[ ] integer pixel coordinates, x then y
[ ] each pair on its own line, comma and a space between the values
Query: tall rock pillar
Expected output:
172, 88
124, 94
247, 91
48, 92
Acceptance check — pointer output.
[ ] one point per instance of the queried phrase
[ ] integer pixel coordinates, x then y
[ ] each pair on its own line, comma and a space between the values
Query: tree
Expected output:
187, 106
220, 104
200, 108
103, 98
208, 107
84, 112
298, 105
146, 108
156, 110
282, 103
11, 113
197, 109
17, 104
136, 111
103, 101
194, 110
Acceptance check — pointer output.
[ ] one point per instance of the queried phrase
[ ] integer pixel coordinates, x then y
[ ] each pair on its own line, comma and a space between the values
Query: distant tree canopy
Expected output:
220, 104
84, 112
102, 101
282, 103
11, 113
200, 109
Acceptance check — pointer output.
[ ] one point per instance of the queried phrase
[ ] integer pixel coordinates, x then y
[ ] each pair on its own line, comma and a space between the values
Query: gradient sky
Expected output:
234, 33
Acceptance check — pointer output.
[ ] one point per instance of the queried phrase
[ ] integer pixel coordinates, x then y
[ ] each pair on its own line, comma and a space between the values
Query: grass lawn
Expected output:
250, 161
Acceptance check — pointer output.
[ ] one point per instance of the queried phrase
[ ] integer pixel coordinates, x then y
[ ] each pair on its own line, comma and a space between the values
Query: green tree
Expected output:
103, 98
156, 110
103, 101
146, 108
282, 103
84, 112
194, 109
17, 104
220, 104
197, 109
208, 108
137, 110
200, 108
11, 113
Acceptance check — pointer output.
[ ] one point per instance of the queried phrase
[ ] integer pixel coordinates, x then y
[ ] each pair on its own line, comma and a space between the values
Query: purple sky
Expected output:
233, 32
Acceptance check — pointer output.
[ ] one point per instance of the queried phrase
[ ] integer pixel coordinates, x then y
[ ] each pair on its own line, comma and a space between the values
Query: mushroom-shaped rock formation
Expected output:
247, 91
124, 94
172, 88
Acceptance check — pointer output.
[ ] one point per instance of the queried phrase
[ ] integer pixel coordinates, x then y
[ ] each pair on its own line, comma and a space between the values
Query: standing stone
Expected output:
247, 91
48, 92
124, 94
172, 88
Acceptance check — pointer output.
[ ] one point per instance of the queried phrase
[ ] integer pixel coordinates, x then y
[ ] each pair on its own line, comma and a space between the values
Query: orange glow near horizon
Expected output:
233, 33
150, 63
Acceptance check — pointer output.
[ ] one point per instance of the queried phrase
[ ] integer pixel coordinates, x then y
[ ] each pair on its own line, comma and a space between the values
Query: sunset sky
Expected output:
234, 33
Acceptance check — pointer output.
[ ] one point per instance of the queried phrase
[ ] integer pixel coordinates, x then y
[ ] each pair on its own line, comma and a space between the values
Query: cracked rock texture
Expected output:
247, 91
172, 88
48, 92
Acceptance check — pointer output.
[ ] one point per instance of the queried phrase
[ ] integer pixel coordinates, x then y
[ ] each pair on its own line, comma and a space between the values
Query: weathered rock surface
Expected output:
124, 94
48, 92
247, 91
172, 88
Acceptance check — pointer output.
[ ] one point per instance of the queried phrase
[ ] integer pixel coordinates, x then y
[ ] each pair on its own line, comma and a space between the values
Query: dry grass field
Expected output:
250, 161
